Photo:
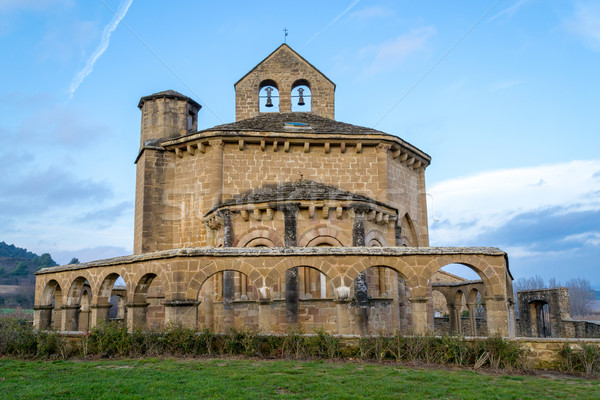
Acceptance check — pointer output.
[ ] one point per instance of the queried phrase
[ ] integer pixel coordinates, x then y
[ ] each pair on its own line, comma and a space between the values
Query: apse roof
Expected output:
293, 122
296, 191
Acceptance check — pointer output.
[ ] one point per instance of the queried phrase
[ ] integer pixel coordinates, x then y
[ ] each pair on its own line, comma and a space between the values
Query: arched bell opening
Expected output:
50, 309
301, 96
268, 96
227, 299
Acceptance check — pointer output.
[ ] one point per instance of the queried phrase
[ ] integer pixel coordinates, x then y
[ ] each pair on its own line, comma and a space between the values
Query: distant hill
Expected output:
17, 267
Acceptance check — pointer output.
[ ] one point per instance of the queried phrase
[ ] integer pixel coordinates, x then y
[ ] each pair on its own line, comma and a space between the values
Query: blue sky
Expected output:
502, 94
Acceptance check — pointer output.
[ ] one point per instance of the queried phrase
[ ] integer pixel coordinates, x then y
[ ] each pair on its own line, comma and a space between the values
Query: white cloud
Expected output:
372, 12
395, 52
585, 23
333, 21
587, 238
469, 206
104, 42
35, 5
509, 12
503, 85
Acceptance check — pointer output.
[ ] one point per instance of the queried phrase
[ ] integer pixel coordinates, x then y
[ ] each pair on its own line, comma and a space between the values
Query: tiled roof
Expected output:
276, 122
296, 191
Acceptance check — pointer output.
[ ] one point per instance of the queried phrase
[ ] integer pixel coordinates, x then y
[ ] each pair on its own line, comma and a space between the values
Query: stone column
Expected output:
472, 319
290, 212
454, 314
136, 315
360, 283
419, 314
70, 320
227, 229
182, 312
99, 314
228, 311
42, 317
291, 297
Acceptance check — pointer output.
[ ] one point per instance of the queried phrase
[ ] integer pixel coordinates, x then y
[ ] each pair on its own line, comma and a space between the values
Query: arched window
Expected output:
268, 96
301, 96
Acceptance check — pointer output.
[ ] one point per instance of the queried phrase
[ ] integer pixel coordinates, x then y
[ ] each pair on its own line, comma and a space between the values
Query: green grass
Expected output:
266, 379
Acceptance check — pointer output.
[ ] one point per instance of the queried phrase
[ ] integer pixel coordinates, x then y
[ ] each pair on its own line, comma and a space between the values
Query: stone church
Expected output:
285, 218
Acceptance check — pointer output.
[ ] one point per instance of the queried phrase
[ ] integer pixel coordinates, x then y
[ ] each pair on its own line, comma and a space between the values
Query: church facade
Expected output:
284, 218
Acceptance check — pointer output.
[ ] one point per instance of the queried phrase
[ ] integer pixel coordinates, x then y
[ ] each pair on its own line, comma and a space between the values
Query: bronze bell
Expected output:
269, 102
301, 99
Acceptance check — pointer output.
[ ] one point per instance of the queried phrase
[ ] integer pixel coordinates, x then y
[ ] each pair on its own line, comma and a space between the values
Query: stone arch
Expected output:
107, 282
331, 235
375, 238
132, 280
50, 309
268, 90
75, 290
409, 233
227, 299
405, 270
478, 264
50, 292
260, 236
303, 95
208, 269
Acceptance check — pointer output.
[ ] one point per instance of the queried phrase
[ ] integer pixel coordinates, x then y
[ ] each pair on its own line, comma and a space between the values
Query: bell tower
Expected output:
293, 78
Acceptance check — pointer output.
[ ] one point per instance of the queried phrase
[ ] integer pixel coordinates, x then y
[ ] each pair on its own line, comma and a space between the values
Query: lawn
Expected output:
264, 379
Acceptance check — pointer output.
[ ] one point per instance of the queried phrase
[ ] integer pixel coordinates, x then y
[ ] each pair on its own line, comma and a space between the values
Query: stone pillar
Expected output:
382, 150
215, 181
99, 314
84, 320
454, 314
227, 229
342, 316
291, 297
136, 315
228, 311
182, 312
419, 315
472, 319
423, 228
497, 316
290, 212
360, 283
42, 317
70, 320
264, 309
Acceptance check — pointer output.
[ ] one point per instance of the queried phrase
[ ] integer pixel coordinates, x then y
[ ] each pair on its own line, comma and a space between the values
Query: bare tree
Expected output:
580, 291
581, 296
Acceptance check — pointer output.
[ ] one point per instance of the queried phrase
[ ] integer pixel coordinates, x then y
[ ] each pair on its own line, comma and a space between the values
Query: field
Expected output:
264, 379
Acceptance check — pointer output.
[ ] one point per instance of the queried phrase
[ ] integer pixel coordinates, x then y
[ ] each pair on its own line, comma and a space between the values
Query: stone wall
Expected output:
442, 326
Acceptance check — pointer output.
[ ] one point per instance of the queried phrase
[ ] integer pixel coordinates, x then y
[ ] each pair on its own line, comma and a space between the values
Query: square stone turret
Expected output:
167, 114
284, 69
